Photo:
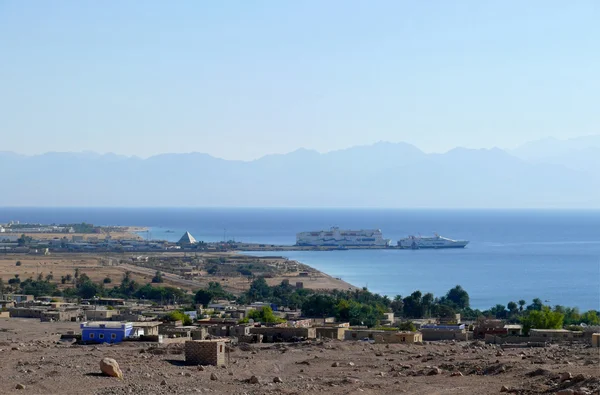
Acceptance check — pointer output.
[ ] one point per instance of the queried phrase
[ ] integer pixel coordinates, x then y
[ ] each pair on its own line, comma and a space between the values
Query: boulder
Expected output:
277, 379
434, 371
335, 365
566, 376
504, 389
164, 382
213, 377
110, 367
201, 368
254, 380
456, 374
20, 386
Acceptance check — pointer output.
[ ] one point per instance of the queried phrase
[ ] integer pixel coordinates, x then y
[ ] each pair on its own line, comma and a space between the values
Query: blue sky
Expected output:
240, 79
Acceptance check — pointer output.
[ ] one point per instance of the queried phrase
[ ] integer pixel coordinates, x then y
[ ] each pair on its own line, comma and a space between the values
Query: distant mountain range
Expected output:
548, 173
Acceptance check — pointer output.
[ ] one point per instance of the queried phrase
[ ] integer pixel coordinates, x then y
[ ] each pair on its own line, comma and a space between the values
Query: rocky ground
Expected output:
32, 357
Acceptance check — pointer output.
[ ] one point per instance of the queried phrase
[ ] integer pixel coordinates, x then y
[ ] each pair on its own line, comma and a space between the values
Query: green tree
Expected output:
265, 315
259, 290
107, 280
512, 307
413, 306
18, 263
203, 297
427, 304
590, 318
50, 277
88, 290
542, 319
157, 277
522, 303
536, 304
407, 326
458, 296
319, 305
397, 305
179, 316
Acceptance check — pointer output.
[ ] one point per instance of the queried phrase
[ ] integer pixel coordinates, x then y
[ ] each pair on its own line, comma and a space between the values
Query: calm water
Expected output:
553, 255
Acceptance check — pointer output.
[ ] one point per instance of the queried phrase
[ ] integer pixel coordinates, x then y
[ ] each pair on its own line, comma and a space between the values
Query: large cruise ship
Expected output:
336, 237
436, 241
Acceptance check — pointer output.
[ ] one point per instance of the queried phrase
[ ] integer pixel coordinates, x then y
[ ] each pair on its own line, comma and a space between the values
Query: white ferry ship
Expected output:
336, 237
436, 241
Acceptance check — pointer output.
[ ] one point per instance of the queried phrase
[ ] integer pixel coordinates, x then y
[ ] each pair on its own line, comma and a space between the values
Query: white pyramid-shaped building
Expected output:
187, 239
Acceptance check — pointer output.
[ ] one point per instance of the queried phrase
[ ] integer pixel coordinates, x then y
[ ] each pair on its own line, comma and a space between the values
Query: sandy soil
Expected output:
99, 266
95, 267
32, 356
128, 233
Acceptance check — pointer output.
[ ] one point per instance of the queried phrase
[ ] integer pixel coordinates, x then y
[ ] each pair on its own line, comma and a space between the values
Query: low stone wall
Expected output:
492, 339
437, 334
331, 332
379, 336
284, 334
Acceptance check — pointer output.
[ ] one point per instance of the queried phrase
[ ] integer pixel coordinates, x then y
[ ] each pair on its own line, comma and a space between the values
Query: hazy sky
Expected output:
239, 79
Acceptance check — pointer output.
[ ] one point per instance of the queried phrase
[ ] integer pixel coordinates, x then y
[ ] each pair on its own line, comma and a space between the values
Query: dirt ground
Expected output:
99, 266
31, 355
125, 233
61, 265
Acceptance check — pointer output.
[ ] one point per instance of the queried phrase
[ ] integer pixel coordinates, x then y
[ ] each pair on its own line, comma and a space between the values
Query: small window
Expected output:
113, 336
221, 348
403, 338
101, 336
91, 335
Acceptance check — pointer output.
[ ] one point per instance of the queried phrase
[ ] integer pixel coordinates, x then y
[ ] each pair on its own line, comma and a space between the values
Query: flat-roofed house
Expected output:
105, 332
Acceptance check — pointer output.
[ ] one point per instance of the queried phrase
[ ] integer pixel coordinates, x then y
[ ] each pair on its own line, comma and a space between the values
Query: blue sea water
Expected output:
513, 254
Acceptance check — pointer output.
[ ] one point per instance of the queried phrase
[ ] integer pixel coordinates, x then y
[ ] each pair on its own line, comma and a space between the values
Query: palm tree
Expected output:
521, 304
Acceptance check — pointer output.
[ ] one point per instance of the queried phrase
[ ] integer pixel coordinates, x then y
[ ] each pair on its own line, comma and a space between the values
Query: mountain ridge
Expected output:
378, 175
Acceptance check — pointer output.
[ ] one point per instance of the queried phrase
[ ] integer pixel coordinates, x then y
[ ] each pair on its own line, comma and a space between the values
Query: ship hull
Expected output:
336, 237
431, 243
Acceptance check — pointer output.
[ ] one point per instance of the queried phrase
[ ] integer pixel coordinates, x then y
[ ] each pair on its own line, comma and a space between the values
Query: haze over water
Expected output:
513, 254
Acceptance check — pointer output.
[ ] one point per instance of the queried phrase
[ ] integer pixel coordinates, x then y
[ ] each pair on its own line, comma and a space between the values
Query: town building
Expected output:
514, 329
596, 340
383, 336
205, 352
554, 334
147, 328
489, 327
105, 332
433, 332
273, 334
331, 332
100, 314
187, 239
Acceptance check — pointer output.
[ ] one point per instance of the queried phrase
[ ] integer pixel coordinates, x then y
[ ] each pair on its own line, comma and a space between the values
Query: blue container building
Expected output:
105, 332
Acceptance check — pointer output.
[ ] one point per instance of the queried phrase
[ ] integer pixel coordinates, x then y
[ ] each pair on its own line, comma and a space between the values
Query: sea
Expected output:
553, 255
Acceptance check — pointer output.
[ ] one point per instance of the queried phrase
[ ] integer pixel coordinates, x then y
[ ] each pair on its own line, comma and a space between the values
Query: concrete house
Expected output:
205, 352
105, 332
444, 332
100, 314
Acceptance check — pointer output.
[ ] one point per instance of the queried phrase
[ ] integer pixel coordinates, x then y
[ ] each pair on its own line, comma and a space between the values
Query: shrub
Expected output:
407, 326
